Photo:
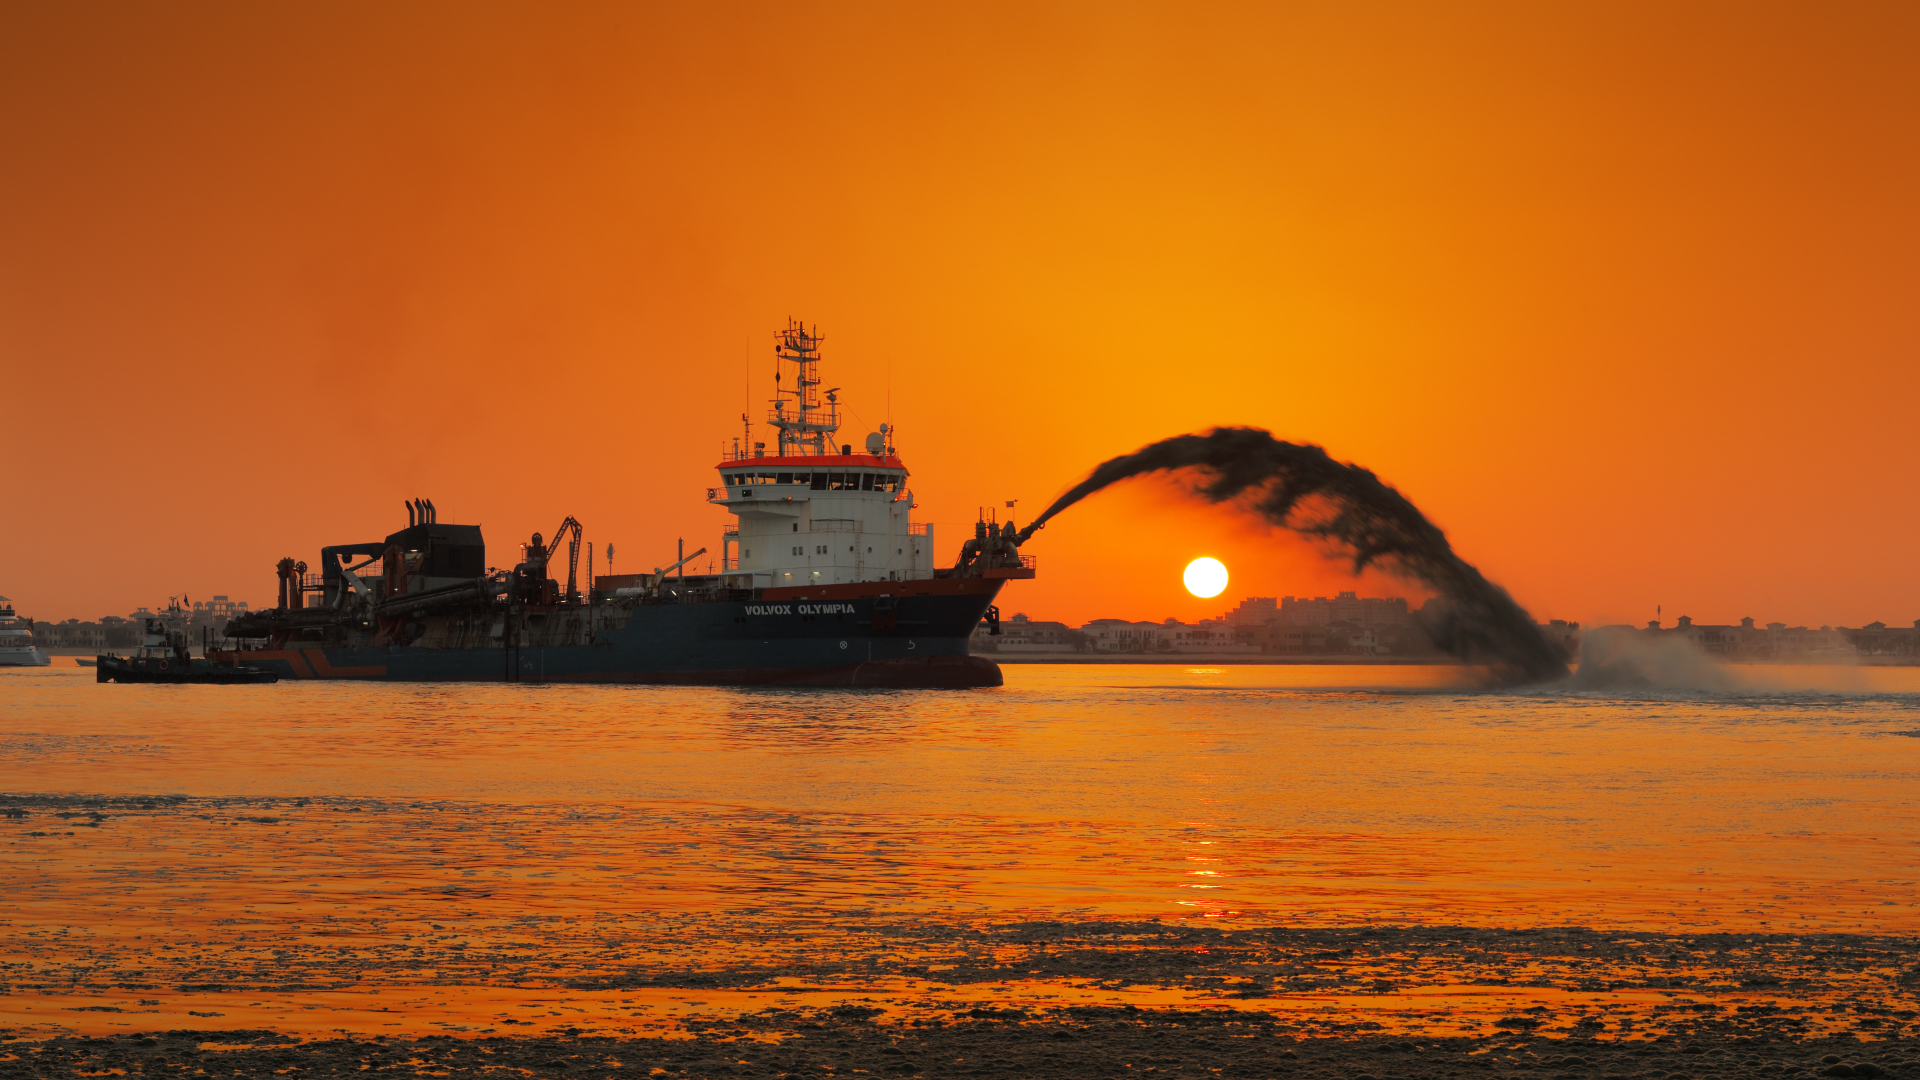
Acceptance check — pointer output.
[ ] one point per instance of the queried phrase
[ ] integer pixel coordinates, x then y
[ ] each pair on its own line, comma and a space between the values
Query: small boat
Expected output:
86, 661
16, 640
163, 657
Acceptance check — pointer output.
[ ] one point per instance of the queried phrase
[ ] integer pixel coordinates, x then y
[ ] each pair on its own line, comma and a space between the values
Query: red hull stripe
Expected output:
309, 664
867, 461
859, 590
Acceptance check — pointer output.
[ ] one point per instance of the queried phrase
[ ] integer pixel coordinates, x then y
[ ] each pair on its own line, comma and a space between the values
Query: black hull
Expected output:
115, 669
928, 672
919, 639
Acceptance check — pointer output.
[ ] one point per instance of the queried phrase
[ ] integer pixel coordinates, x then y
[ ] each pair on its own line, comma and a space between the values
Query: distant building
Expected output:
218, 610
1879, 639
1777, 641
1254, 611
1351, 625
1207, 636
1338, 639
1563, 633
1278, 637
1347, 607
1123, 635
1022, 634
71, 634
126, 632
1346, 624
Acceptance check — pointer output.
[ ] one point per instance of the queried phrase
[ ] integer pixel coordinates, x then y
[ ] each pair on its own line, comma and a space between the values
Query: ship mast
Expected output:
803, 425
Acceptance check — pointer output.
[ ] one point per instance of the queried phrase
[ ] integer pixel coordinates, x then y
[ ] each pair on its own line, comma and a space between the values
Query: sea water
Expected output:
269, 848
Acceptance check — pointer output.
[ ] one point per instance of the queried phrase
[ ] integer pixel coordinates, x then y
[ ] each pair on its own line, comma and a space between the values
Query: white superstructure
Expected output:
813, 512
165, 636
16, 640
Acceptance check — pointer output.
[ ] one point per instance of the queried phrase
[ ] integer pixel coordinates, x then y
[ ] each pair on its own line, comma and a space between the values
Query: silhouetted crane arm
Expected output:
573, 554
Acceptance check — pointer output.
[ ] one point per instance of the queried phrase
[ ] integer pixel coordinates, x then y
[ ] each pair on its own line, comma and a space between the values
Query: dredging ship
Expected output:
824, 579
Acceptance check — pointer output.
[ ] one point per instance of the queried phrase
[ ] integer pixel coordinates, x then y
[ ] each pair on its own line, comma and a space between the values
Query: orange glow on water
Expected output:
451, 860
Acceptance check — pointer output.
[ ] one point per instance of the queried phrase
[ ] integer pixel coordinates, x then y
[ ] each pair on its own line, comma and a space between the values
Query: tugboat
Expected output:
16, 640
163, 657
824, 579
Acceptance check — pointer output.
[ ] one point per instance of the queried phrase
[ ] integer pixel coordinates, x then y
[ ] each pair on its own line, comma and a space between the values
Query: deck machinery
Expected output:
825, 579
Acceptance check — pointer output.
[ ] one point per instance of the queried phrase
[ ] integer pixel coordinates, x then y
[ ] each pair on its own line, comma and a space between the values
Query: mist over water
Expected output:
1625, 661
1621, 658
1300, 488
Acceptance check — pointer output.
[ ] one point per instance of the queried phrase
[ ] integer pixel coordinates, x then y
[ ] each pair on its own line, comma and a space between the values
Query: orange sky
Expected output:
1624, 296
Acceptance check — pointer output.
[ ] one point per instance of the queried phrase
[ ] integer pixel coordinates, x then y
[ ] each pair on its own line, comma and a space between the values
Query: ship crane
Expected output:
569, 527
825, 578
659, 576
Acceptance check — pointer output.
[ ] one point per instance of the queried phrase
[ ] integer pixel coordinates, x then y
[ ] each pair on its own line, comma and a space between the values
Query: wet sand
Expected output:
1072, 1000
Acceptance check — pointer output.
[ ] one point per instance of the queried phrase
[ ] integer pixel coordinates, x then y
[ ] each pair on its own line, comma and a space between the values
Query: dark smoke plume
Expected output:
1474, 619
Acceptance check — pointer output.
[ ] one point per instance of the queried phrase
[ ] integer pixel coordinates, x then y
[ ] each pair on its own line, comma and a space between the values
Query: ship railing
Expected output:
807, 420
917, 528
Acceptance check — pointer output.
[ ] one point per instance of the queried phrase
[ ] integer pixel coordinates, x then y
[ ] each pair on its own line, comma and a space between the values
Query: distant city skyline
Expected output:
1385, 626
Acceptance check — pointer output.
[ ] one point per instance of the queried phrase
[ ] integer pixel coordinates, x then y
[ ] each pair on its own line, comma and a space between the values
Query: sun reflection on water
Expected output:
366, 836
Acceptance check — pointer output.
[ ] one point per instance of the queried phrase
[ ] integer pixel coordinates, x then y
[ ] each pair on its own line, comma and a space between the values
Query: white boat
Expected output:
16, 640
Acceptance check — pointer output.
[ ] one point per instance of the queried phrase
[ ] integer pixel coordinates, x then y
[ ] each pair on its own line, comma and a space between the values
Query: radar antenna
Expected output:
806, 426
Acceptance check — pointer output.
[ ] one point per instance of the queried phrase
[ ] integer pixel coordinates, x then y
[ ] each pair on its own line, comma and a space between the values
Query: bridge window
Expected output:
819, 481
866, 481
783, 478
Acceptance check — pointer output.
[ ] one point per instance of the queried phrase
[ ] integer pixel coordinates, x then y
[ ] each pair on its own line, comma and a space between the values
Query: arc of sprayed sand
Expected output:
1478, 622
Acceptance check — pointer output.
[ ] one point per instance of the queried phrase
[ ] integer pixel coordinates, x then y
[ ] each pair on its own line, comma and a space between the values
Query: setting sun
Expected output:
1206, 577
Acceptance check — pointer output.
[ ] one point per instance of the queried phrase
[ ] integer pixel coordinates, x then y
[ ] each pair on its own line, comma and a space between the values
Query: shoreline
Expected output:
1260, 660
1335, 660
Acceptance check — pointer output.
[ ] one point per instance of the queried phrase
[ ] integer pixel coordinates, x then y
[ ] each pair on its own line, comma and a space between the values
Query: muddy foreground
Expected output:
1059, 999
1088, 1043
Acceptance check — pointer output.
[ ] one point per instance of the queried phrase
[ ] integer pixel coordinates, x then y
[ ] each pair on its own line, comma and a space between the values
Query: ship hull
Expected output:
117, 669
827, 639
